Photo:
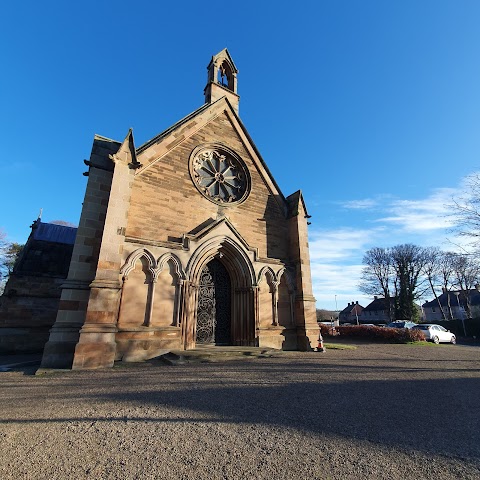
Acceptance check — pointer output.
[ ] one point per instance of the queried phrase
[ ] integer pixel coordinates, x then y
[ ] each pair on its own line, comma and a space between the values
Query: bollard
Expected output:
320, 347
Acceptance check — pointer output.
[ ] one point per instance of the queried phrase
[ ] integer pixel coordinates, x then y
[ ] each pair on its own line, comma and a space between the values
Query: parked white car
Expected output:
436, 333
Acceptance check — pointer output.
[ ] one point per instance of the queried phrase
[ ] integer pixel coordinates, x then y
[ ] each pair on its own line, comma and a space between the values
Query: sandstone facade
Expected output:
184, 240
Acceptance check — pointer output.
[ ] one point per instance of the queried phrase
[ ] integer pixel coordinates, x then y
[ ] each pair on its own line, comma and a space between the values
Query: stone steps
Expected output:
214, 354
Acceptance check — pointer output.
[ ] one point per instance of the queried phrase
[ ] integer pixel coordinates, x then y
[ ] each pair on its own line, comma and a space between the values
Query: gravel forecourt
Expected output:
376, 412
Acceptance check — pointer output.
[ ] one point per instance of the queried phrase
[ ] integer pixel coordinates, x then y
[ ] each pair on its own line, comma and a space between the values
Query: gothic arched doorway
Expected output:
214, 305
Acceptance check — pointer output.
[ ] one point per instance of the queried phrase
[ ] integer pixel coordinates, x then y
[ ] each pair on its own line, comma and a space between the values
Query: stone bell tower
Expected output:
222, 79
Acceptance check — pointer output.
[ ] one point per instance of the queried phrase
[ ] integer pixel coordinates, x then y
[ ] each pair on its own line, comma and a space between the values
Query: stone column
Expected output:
275, 303
190, 316
305, 311
64, 335
178, 303
96, 346
256, 310
252, 321
150, 300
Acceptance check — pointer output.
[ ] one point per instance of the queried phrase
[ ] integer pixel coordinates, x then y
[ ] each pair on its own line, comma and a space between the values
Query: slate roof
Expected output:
163, 134
205, 106
47, 252
350, 308
51, 232
474, 299
378, 304
291, 202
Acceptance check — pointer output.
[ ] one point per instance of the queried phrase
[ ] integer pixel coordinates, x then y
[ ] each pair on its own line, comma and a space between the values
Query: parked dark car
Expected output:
401, 324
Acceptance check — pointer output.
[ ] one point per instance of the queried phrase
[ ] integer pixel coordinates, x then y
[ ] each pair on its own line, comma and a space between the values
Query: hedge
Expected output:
394, 335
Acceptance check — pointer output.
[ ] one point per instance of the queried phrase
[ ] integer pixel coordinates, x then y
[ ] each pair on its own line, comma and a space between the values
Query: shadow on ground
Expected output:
360, 402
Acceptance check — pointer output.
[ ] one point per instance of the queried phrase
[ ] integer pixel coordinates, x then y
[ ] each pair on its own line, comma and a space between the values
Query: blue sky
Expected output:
372, 108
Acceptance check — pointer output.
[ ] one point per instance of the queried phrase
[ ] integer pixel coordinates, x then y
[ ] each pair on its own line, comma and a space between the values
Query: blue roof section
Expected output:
50, 232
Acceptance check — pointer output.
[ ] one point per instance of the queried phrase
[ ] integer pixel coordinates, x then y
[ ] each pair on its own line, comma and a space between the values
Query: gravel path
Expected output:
377, 412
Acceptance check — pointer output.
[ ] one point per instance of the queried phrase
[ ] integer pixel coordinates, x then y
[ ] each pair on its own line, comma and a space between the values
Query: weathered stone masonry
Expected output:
156, 218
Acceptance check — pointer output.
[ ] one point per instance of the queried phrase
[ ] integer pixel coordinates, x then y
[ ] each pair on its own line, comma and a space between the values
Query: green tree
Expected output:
9, 252
408, 262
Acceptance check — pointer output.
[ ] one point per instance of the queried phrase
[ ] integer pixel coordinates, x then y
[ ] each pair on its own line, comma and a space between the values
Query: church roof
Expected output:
225, 53
290, 204
163, 134
51, 232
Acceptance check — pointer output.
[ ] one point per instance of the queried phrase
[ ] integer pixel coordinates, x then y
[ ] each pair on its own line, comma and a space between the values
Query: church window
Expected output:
219, 174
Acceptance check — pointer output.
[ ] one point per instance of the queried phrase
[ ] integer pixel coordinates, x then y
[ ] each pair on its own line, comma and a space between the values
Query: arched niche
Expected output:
289, 278
266, 297
134, 307
169, 278
132, 259
284, 309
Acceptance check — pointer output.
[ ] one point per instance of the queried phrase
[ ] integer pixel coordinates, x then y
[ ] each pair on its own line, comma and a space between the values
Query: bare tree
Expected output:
325, 315
431, 270
446, 277
466, 270
378, 276
11, 255
395, 273
3, 250
465, 210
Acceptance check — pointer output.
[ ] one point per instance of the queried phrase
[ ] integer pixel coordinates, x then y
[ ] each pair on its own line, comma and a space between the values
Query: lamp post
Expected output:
457, 294
336, 310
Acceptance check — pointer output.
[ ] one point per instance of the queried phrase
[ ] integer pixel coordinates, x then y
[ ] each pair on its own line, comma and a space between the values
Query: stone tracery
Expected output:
219, 175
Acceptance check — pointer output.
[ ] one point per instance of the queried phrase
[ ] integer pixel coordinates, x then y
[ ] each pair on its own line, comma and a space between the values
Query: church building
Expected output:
183, 241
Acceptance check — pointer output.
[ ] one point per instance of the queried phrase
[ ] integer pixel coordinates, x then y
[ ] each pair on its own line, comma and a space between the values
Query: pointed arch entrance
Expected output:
221, 296
214, 310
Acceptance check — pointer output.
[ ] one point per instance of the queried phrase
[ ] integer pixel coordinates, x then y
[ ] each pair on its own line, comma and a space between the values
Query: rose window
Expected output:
219, 175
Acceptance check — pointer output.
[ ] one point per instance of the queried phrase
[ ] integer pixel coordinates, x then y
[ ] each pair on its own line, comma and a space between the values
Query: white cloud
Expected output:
364, 204
419, 216
336, 254
331, 245
340, 281
335, 257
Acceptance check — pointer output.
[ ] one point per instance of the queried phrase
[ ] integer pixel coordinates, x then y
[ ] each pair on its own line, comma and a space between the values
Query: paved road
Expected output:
377, 412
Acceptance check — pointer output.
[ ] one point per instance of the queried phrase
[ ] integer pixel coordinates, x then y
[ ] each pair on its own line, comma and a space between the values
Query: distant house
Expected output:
458, 305
351, 313
377, 311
